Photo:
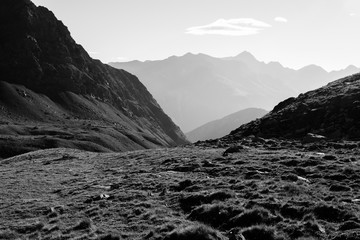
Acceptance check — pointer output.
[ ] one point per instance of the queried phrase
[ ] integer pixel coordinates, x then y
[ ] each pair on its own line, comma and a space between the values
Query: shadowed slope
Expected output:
332, 111
40, 60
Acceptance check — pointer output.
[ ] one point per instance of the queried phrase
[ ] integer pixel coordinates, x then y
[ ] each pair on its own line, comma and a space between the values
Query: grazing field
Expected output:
251, 189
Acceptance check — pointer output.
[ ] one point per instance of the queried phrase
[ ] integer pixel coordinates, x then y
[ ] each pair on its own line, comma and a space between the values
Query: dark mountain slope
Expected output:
332, 111
40, 61
223, 126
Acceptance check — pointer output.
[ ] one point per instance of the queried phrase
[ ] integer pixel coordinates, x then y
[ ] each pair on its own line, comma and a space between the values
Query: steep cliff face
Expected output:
332, 111
38, 52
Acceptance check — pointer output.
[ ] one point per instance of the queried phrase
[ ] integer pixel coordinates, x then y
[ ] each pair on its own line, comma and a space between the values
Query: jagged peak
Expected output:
276, 64
312, 67
351, 67
245, 55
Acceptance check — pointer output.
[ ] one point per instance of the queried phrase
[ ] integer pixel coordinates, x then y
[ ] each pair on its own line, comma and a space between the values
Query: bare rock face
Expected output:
38, 55
332, 111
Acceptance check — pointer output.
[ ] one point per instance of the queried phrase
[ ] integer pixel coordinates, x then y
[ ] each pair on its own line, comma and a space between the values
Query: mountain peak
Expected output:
351, 67
312, 68
245, 56
41, 57
189, 54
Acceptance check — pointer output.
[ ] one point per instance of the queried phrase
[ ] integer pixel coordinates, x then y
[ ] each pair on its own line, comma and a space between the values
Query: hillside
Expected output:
195, 89
53, 94
276, 190
332, 111
223, 126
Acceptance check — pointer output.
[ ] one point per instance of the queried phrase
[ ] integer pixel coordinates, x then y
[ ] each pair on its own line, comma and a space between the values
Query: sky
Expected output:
295, 33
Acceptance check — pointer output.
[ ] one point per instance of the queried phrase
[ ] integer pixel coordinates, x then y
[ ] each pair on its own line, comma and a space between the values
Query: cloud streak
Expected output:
230, 27
280, 19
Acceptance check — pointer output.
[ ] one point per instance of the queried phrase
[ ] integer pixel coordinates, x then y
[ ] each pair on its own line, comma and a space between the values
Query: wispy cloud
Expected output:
281, 19
230, 27
352, 14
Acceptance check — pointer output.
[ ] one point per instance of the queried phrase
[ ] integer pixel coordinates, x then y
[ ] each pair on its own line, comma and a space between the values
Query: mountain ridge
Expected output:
186, 86
41, 62
221, 127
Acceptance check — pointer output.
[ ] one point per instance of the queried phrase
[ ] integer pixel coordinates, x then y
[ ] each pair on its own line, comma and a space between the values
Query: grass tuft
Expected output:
195, 232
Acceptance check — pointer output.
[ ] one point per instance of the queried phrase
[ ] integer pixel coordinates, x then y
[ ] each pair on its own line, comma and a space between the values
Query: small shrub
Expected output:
183, 184
187, 203
292, 189
331, 213
293, 212
30, 228
221, 196
348, 225
214, 214
83, 225
196, 232
259, 233
7, 234
348, 236
109, 237
252, 217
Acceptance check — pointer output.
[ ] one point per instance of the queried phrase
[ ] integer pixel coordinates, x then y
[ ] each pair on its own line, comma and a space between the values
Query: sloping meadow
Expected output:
258, 190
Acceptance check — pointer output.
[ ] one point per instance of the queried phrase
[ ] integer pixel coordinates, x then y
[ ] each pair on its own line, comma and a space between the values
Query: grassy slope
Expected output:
290, 189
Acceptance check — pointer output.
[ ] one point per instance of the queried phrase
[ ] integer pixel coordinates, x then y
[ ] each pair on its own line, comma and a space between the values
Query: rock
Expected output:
311, 137
348, 225
329, 157
233, 149
339, 188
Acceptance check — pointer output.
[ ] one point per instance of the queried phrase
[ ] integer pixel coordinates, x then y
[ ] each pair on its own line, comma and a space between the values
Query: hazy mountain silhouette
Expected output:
50, 82
223, 126
332, 111
195, 89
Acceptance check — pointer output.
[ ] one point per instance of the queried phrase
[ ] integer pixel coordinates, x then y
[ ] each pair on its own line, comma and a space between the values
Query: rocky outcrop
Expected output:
332, 111
38, 53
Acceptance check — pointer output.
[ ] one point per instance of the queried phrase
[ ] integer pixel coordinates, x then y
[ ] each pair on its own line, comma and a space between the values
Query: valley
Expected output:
87, 151
250, 189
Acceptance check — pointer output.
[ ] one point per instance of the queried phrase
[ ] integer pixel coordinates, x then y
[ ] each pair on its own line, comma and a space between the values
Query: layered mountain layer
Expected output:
223, 126
195, 89
53, 94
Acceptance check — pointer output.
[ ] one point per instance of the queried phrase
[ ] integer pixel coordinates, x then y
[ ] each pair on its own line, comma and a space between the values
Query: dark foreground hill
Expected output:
53, 94
223, 126
332, 111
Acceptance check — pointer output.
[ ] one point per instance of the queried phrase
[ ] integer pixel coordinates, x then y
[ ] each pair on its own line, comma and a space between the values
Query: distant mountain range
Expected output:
223, 126
196, 89
52, 94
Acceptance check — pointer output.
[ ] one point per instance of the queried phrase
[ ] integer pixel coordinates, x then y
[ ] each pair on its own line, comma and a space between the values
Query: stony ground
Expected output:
251, 189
